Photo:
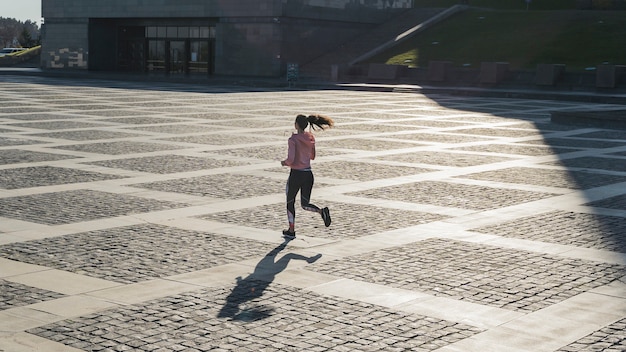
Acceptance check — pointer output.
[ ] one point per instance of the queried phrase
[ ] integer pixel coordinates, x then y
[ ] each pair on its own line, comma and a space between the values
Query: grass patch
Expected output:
578, 39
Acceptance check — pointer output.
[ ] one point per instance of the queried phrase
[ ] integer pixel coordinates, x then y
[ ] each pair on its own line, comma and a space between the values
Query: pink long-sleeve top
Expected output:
301, 151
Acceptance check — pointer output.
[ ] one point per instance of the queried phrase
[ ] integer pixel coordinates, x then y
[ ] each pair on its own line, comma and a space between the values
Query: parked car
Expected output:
7, 51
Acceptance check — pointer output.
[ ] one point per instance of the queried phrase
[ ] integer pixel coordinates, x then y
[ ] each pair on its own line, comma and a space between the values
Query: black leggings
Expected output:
299, 180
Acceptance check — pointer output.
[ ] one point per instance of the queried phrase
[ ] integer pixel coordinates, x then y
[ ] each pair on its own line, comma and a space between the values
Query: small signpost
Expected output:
292, 73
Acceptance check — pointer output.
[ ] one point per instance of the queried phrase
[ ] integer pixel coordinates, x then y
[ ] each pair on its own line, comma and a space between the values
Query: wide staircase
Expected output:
365, 42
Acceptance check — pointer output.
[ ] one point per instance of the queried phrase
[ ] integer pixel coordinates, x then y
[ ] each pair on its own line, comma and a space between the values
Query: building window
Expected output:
162, 32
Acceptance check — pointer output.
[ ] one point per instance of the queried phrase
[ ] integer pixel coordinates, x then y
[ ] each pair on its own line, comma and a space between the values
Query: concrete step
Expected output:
368, 40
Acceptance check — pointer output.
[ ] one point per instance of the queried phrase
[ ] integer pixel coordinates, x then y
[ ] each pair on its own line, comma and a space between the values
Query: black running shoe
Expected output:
326, 216
289, 234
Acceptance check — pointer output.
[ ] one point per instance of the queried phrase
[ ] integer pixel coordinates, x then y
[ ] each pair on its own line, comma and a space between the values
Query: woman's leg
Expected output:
305, 192
292, 191
305, 199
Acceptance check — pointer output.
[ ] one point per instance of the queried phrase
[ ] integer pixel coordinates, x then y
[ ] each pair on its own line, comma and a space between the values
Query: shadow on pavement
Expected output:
244, 303
592, 158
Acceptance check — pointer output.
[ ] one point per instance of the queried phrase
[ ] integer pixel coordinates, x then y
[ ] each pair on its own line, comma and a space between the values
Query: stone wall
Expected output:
158, 8
253, 37
65, 45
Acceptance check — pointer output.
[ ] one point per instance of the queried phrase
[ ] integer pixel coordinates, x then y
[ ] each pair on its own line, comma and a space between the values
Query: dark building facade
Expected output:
202, 37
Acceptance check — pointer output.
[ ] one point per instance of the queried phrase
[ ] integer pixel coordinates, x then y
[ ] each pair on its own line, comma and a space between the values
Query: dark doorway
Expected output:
146, 45
156, 56
131, 49
177, 57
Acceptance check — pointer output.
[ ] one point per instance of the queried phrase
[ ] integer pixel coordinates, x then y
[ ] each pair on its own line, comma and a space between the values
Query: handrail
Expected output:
23, 52
437, 18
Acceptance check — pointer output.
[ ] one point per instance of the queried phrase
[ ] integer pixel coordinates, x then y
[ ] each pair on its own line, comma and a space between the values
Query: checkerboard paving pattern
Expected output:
147, 216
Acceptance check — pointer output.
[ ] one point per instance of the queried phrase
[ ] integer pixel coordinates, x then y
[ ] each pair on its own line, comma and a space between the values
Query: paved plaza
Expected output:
147, 216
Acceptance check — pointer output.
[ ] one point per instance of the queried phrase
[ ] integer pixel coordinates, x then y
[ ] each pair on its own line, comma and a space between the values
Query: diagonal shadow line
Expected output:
608, 231
242, 303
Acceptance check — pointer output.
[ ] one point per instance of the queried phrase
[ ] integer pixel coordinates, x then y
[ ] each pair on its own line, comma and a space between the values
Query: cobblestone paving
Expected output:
569, 228
577, 143
76, 206
118, 148
438, 138
493, 276
55, 125
4, 141
46, 176
231, 121
123, 113
617, 202
134, 253
178, 129
550, 178
604, 135
350, 220
379, 128
274, 152
225, 186
141, 120
284, 319
37, 117
219, 139
611, 164
429, 123
165, 164
499, 132
20, 110
367, 144
444, 159
408, 264
543, 126
518, 149
453, 195
364, 171
18, 295
85, 135
17, 156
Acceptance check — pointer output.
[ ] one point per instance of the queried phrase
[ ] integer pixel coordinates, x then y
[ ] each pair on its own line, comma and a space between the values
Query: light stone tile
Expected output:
72, 306
9, 225
615, 288
62, 282
551, 330
595, 255
24, 318
463, 312
216, 276
304, 279
9, 268
588, 302
25, 342
367, 292
499, 340
143, 291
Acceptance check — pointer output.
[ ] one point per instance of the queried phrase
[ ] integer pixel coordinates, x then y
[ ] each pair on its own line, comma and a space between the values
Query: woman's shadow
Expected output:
241, 303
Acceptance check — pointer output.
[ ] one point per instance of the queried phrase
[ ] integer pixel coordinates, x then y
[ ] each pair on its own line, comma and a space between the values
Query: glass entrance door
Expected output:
178, 50
156, 56
177, 57
200, 57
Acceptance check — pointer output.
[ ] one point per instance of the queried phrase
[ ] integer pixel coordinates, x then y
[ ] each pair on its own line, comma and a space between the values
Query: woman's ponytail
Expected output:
320, 121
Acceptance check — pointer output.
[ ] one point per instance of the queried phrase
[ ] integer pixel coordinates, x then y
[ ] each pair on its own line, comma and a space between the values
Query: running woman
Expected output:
301, 152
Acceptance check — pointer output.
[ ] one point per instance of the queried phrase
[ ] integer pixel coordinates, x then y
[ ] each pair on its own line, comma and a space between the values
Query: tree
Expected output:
25, 39
13, 30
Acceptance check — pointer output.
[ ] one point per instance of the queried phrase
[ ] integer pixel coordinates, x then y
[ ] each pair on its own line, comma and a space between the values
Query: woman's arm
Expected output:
291, 154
